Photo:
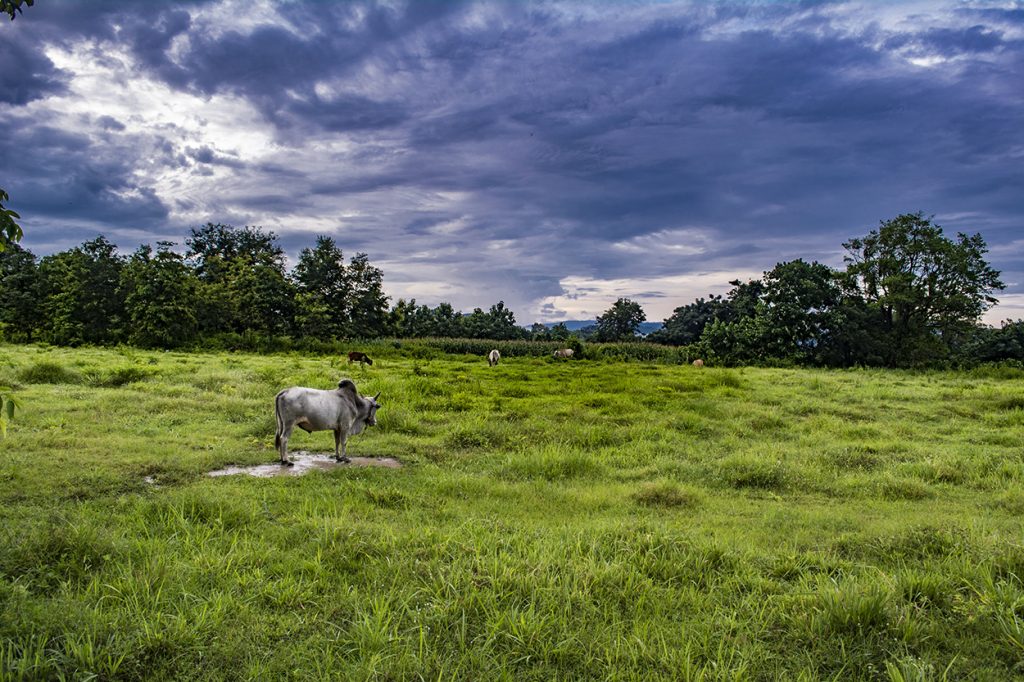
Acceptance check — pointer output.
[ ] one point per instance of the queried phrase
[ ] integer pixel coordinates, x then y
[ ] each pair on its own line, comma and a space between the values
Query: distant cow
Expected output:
342, 410
562, 353
493, 357
698, 363
356, 356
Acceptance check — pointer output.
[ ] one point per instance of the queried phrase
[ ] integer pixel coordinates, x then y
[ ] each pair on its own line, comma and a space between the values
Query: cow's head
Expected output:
371, 412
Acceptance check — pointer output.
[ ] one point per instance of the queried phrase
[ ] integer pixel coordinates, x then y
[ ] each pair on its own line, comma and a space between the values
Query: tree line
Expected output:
908, 296
230, 281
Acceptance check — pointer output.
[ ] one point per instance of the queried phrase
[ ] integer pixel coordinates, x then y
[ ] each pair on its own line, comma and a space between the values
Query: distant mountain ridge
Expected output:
576, 325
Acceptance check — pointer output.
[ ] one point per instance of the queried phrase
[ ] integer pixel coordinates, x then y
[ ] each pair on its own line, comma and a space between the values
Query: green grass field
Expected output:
554, 521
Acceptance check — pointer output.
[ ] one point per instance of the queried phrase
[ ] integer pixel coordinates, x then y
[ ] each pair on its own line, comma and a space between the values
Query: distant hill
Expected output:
575, 325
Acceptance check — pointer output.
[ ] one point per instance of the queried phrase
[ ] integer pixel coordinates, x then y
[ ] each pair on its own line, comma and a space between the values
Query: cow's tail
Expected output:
280, 421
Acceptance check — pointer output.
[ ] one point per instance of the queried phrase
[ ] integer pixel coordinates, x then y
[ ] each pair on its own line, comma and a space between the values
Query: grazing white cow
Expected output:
342, 410
698, 363
562, 353
493, 357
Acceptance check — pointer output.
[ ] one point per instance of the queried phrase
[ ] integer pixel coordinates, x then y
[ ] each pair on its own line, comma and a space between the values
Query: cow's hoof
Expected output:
287, 463
343, 460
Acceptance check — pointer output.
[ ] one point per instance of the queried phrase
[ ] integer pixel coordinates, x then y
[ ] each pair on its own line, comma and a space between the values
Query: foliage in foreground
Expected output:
553, 521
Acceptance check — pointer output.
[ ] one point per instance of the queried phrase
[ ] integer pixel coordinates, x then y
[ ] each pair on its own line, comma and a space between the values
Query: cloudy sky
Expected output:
554, 155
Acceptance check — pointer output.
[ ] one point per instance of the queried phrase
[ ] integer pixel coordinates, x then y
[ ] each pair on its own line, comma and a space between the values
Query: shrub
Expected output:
49, 373
119, 376
668, 494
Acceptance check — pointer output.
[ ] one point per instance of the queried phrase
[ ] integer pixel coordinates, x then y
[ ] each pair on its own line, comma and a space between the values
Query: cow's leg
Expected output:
340, 441
282, 444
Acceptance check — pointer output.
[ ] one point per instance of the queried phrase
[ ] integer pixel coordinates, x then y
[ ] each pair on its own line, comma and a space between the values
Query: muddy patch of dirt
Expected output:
304, 463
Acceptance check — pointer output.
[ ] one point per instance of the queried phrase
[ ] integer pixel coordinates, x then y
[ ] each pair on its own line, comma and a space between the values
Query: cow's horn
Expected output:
376, 396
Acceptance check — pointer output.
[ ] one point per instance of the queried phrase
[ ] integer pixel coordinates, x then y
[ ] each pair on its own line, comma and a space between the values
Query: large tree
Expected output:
83, 302
687, 322
19, 293
448, 322
926, 288
368, 306
620, 322
243, 285
160, 298
212, 248
321, 279
800, 302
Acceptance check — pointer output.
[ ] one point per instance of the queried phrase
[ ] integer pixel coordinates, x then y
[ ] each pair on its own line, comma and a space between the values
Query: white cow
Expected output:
562, 353
493, 357
342, 410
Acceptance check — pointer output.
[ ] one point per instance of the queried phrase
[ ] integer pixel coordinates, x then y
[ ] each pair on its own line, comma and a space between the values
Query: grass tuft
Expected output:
552, 463
668, 494
46, 372
119, 376
750, 471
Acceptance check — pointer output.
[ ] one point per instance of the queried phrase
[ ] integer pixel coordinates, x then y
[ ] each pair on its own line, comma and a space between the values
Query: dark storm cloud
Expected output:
597, 141
27, 74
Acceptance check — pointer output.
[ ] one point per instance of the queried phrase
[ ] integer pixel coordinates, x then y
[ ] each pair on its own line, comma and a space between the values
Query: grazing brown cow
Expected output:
356, 356
698, 363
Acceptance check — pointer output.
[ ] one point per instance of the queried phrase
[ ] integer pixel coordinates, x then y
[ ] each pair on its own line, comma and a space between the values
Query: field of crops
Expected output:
552, 520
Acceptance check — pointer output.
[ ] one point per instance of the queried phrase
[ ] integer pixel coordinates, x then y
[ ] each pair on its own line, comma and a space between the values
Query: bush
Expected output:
668, 494
119, 376
49, 373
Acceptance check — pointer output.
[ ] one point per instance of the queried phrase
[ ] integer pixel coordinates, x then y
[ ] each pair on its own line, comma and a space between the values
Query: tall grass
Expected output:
612, 519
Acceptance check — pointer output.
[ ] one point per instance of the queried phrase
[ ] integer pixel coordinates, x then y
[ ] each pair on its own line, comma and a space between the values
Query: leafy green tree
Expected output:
10, 231
560, 332
82, 301
12, 8
160, 298
262, 299
448, 322
539, 332
789, 316
20, 293
502, 323
800, 302
743, 299
368, 306
243, 285
928, 289
422, 321
409, 320
213, 247
989, 344
498, 323
476, 325
620, 322
687, 322
322, 283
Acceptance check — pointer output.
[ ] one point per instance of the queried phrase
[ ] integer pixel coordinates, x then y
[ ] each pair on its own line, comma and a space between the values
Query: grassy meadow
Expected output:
553, 521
